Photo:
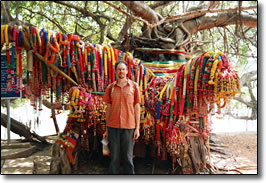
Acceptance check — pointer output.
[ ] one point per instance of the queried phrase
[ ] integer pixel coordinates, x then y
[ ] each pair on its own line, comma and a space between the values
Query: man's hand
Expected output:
105, 135
136, 134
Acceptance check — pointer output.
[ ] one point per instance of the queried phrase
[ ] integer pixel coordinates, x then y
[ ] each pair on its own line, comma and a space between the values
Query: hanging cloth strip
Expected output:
13, 59
128, 59
100, 69
81, 47
97, 65
3, 28
190, 91
9, 63
116, 59
107, 66
186, 74
93, 66
197, 82
89, 70
13, 56
173, 97
72, 40
19, 47
145, 82
54, 49
109, 63
158, 118
64, 44
5, 40
77, 61
113, 63
141, 89
206, 72
137, 75
44, 69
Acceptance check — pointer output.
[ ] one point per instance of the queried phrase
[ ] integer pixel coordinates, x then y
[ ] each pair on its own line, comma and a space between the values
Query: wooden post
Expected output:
8, 120
52, 66
53, 111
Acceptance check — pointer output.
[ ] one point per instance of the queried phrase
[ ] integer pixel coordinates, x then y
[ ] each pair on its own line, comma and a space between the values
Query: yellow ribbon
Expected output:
173, 65
86, 56
38, 37
163, 90
6, 34
108, 58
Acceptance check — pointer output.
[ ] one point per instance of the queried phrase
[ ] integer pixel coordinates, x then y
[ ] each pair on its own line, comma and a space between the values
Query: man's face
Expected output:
121, 71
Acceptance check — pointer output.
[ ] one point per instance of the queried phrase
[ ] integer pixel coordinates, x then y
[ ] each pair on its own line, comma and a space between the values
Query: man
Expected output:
122, 119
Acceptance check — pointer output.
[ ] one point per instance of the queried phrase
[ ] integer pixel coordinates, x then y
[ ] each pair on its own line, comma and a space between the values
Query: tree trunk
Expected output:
22, 130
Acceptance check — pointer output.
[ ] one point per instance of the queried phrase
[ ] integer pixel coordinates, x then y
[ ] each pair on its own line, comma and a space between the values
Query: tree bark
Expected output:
142, 10
219, 20
246, 77
240, 117
160, 4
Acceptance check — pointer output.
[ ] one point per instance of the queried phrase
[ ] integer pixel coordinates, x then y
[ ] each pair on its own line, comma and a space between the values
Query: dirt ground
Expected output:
242, 145
230, 153
239, 153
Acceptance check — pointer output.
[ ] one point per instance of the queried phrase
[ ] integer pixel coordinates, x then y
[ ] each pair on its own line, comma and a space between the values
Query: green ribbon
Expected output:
162, 74
98, 93
92, 58
165, 62
201, 123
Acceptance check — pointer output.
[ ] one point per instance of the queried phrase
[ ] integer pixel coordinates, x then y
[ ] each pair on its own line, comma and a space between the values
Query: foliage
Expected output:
14, 103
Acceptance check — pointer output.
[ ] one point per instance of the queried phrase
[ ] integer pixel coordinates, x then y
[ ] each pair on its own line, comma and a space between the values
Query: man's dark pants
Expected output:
121, 140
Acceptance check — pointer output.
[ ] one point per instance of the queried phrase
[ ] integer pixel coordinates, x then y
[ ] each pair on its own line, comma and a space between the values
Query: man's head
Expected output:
121, 69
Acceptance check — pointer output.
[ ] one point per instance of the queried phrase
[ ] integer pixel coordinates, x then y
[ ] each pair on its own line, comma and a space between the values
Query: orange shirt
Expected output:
123, 101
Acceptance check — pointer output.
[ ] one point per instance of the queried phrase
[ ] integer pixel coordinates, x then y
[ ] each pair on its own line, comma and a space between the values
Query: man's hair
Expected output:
120, 62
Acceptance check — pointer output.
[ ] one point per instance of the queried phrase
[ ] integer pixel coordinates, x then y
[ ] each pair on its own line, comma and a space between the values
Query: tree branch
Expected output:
187, 39
129, 21
123, 32
127, 14
8, 19
191, 15
141, 9
203, 5
224, 17
229, 113
85, 12
241, 100
253, 99
17, 9
246, 77
160, 4
5, 11
51, 20
82, 10
219, 20
239, 54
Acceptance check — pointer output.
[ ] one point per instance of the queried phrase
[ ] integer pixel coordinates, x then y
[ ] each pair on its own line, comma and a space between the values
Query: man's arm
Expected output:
137, 121
108, 112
